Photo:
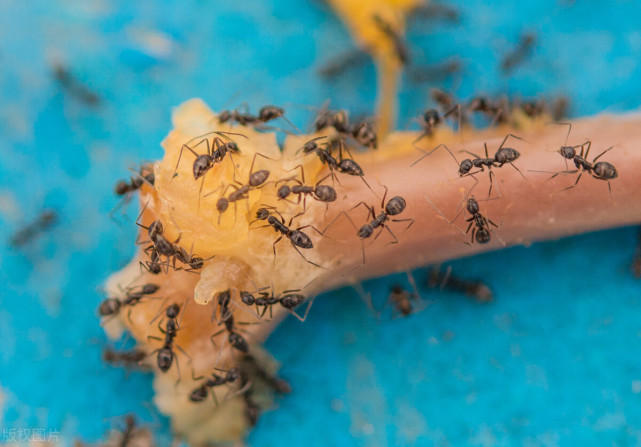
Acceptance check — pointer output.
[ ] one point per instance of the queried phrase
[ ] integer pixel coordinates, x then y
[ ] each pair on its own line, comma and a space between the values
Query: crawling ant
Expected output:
435, 10
481, 231
395, 206
478, 290
256, 180
400, 46
201, 393
601, 170
502, 156
73, 86
236, 340
518, 55
126, 188
287, 299
297, 238
252, 409
43, 222
497, 110
165, 355
265, 114
250, 365
322, 193
112, 306
364, 134
123, 358
342, 62
215, 153
402, 299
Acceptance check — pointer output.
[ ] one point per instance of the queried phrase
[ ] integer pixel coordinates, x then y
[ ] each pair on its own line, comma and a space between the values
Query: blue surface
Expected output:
554, 361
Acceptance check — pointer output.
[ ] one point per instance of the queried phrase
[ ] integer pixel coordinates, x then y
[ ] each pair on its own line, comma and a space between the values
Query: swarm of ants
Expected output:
332, 150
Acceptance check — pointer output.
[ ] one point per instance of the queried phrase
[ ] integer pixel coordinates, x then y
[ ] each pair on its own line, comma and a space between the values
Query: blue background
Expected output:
553, 361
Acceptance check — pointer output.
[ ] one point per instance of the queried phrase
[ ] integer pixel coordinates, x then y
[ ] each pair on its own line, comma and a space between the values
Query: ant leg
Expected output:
569, 130
274, 246
602, 153
251, 169
449, 222
307, 260
508, 136
430, 152
575, 183
411, 222
471, 153
159, 312
336, 218
519, 171
370, 210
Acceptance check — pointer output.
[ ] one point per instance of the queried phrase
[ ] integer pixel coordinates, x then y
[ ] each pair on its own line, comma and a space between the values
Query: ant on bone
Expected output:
165, 354
481, 224
111, 306
236, 340
601, 170
395, 206
502, 156
287, 299
297, 238
201, 393
256, 180
342, 165
321, 193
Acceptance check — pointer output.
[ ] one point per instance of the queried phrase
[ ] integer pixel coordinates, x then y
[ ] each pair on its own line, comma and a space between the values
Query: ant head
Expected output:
172, 311
472, 206
567, 152
224, 116
431, 117
122, 188
247, 298
232, 147
365, 231
262, 213
233, 374
109, 307
465, 166
199, 394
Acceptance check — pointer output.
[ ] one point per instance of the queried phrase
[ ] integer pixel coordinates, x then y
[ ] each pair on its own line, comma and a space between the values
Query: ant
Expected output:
395, 206
73, 86
112, 306
43, 222
502, 156
125, 188
400, 46
475, 289
518, 55
636, 263
340, 63
342, 165
201, 393
497, 111
481, 231
249, 364
601, 170
165, 354
297, 238
252, 409
236, 340
265, 114
322, 193
287, 299
123, 358
402, 299
364, 134
256, 180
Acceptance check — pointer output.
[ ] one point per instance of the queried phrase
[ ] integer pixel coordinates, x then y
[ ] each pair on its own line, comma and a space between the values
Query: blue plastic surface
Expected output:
554, 361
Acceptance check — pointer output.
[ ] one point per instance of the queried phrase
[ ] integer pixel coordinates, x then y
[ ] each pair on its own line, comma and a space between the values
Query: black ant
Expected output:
112, 306
400, 46
322, 193
340, 63
123, 358
236, 340
286, 299
518, 55
252, 409
395, 206
481, 231
342, 165
265, 114
73, 86
497, 111
126, 188
365, 134
478, 290
256, 180
502, 156
201, 393
297, 238
43, 222
601, 170
402, 299
249, 364
165, 354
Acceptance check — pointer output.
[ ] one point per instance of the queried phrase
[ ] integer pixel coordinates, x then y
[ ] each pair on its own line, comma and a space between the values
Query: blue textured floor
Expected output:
554, 361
